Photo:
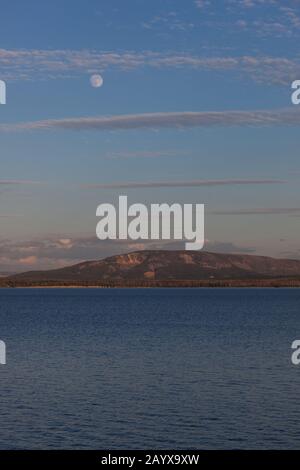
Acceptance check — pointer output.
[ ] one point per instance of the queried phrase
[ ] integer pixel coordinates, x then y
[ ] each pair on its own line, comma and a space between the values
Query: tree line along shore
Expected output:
281, 282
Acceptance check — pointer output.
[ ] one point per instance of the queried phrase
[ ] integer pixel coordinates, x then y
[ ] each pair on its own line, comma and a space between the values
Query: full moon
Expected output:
96, 81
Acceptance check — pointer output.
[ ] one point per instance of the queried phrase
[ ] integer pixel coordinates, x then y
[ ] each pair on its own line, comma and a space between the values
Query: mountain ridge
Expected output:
164, 265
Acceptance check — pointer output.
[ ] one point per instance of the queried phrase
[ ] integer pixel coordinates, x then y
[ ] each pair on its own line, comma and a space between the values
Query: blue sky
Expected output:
160, 61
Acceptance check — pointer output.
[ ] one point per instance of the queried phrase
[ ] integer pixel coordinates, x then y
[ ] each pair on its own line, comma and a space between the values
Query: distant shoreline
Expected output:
135, 284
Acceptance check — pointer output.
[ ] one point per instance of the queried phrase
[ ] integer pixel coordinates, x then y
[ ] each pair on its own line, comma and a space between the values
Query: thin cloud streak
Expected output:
19, 182
183, 184
260, 211
148, 154
177, 120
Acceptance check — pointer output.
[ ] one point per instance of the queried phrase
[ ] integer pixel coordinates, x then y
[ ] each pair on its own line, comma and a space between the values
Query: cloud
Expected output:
37, 64
179, 120
253, 3
291, 254
18, 182
183, 184
264, 17
147, 154
202, 3
260, 211
28, 261
168, 22
227, 247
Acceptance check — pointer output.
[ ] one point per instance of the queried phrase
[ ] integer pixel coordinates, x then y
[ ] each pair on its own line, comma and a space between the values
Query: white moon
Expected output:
96, 81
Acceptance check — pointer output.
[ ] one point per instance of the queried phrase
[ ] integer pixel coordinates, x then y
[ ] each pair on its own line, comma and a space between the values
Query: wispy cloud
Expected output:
179, 120
184, 184
260, 211
19, 182
227, 247
36, 64
272, 18
202, 3
147, 154
168, 22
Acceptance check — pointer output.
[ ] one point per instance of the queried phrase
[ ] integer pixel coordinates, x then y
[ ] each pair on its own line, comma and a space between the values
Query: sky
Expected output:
195, 107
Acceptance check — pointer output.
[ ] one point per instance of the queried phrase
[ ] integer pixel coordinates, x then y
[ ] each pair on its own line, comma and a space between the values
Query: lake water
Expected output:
149, 369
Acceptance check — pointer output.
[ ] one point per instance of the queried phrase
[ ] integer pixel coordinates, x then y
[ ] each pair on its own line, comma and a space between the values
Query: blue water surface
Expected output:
149, 369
